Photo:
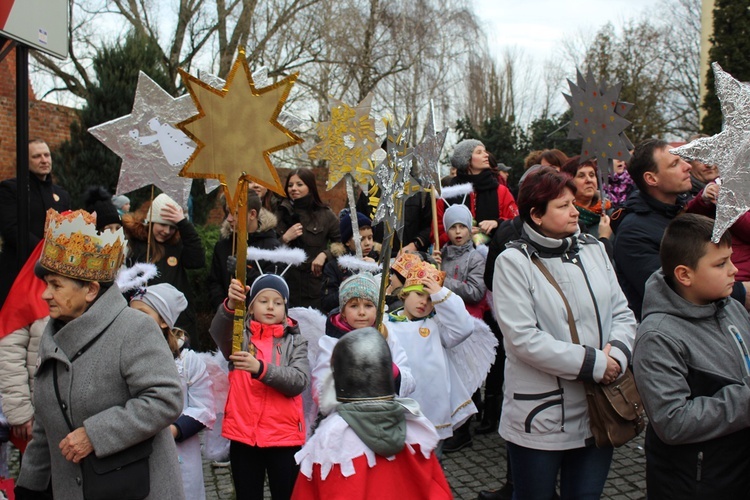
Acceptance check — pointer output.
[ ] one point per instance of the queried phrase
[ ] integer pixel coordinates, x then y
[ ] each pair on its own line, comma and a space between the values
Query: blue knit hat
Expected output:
269, 282
345, 224
359, 286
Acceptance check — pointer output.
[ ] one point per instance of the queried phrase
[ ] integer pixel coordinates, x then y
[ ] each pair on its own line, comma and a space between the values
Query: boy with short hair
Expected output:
692, 367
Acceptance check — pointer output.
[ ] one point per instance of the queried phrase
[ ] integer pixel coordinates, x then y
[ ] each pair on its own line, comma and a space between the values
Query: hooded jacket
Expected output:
544, 406
693, 373
639, 226
464, 267
219, 275
265, 410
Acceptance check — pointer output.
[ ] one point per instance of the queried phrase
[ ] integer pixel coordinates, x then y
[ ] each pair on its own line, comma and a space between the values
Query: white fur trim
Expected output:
458, 190
282, 254
335, 443
130, 278
352, 263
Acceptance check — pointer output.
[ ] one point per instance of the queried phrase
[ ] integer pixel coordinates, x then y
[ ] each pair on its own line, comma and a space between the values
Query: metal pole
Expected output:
22, 153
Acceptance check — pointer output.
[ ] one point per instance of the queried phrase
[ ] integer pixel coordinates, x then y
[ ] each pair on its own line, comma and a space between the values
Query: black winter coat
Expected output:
182, 252
43, 195
220, 275
321, 228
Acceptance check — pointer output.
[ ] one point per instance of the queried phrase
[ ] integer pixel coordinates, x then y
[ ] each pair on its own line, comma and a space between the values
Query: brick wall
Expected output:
47, 121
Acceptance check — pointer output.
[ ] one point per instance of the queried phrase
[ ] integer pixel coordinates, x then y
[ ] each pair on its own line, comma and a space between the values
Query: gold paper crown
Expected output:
405, 262
418, 273
74, 248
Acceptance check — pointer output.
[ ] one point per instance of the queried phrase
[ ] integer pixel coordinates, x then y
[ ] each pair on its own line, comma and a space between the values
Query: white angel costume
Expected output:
199, 404
451, 353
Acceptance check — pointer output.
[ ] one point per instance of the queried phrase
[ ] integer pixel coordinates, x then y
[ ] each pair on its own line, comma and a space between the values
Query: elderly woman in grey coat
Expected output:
117, 380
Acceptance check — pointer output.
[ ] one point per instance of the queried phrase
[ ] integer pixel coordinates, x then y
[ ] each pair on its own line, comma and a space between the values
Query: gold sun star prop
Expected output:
236, 130
347, 142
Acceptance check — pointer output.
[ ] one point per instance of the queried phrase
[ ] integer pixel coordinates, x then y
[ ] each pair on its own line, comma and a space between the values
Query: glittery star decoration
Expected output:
152, 150
236, 130
729, 150
598, 119
393, 177
427, 154
348, 142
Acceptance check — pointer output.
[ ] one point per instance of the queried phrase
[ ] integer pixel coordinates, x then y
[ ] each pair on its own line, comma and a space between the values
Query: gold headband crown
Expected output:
419, 272
405, 262
74, 248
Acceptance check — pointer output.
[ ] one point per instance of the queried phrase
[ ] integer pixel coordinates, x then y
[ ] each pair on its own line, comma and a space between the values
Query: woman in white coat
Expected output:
545, 416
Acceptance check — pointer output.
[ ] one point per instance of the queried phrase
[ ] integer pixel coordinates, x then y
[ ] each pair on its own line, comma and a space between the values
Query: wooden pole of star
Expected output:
238, 330
150, 226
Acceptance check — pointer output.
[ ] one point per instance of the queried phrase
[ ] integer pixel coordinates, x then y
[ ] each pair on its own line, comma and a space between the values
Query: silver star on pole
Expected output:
729, 150
393, 177
598, 119
153, 151
427, 154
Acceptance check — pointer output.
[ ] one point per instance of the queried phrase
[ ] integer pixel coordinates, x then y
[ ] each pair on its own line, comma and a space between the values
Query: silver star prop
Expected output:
427, 154
729, 150
393, 177
153, 151
598, 120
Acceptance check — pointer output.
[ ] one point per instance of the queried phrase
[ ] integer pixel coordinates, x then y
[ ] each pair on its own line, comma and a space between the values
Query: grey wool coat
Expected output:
124, 389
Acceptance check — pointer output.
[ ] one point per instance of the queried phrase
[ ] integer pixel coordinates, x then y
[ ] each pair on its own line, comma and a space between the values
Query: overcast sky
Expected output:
538, 26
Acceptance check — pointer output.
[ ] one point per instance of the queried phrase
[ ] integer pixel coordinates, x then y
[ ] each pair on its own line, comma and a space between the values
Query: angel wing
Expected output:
473, 357
312, 326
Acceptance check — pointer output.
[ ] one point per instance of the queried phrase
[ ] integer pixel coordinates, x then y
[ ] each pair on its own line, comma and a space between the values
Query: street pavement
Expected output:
481, 467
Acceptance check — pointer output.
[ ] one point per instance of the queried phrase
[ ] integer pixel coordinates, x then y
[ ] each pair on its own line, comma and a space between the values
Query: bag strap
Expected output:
54, 376
571, 322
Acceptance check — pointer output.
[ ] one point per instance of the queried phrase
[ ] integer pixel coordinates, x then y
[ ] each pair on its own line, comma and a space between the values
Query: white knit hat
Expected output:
157, 205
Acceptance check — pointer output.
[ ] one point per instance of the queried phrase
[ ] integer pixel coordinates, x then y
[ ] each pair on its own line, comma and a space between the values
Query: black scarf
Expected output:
485, 191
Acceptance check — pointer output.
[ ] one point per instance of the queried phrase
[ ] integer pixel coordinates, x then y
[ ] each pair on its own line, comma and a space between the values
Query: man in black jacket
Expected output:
662, 180
43, 195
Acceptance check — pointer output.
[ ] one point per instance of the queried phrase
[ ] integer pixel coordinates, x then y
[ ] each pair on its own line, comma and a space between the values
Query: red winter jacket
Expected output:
505, 202
265, 410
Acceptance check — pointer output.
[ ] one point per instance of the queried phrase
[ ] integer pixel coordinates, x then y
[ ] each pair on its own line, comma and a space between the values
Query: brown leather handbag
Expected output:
615, 410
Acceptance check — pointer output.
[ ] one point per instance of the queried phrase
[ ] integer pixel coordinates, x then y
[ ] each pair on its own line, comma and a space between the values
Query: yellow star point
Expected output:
236, 129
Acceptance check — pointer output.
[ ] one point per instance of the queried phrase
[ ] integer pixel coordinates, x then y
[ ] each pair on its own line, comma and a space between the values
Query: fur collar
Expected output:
266, 221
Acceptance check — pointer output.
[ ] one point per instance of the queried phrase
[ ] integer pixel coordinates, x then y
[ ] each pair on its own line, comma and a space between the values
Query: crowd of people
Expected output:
542, 286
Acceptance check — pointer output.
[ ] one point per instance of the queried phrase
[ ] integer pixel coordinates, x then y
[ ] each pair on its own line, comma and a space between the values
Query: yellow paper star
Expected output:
348, 142
236, 129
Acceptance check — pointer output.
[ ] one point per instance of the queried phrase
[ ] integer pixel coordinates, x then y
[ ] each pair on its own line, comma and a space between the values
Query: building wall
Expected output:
47, 121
